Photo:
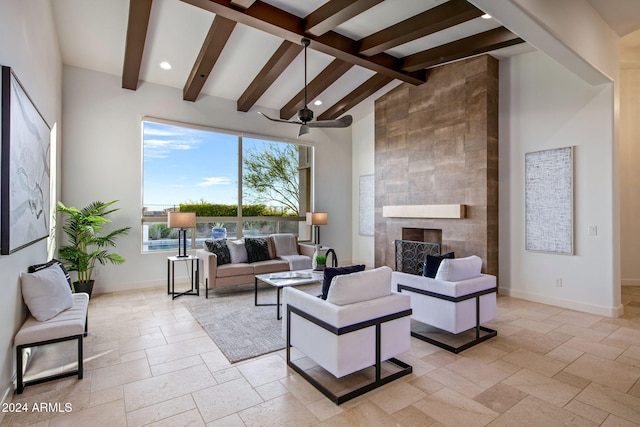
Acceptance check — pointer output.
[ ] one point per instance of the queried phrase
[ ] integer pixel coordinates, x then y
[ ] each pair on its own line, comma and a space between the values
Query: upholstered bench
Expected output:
458, 299
56, 315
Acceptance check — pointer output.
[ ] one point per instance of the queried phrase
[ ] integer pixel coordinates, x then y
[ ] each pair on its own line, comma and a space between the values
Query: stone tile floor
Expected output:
148, 362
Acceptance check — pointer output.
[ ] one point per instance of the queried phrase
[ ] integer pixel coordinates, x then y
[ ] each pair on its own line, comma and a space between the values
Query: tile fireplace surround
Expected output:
437, 144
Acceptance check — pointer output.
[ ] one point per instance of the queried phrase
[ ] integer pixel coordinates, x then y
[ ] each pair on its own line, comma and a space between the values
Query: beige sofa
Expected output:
212, 275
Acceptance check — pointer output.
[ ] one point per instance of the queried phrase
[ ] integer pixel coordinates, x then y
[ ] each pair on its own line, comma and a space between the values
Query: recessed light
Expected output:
165, 65
317, 102
486, 16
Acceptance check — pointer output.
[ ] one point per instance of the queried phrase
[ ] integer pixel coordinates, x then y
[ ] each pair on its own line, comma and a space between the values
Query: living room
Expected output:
564, 94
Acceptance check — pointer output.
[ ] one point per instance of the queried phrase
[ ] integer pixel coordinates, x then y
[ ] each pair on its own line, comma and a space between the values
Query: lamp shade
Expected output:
317, 218
181, 220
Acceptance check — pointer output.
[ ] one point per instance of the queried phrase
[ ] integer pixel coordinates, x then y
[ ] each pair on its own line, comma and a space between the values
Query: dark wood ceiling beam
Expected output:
318, 85
278, 62
214, 43
358, 95
335, 12
460, 49
242, 3
439, 18
270, 19
139, 13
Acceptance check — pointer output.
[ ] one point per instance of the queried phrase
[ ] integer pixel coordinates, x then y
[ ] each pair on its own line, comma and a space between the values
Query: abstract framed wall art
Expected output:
549, 201
366, 206
24, 168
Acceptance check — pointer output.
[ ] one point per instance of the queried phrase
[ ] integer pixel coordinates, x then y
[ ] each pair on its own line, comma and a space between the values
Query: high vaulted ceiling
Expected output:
249, 50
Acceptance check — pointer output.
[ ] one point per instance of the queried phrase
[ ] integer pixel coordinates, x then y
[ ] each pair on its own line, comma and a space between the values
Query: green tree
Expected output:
270, 174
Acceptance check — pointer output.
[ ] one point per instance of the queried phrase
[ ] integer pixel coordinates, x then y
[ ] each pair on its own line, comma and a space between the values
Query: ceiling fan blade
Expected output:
304, 129
279, 120
342, 122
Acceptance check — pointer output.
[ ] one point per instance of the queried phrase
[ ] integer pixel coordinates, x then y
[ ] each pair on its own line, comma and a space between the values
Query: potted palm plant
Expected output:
86, 244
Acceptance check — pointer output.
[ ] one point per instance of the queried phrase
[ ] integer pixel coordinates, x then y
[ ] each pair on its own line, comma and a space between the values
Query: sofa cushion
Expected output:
433, 262
361, 286
240, 269
455, 270
220, 249
285, 244
331, 272
257, 249
238, 251
46, 292
37, 267
270, 266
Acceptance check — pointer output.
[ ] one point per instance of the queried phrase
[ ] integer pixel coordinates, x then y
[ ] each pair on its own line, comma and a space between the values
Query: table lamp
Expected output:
316, 219
182, 221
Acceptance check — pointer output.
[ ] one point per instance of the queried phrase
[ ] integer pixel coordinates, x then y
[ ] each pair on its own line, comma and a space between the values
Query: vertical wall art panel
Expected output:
549, 200
367, 205
24, 183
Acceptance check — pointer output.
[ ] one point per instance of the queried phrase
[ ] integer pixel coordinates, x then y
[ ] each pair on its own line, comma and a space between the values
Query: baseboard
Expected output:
120, 287
630, 282
559, 302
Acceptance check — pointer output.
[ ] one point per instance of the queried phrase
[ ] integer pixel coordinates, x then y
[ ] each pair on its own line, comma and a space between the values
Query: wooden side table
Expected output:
192, 272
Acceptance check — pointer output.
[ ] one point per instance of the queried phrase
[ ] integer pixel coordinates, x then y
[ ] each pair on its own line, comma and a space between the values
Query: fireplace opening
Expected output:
431, 235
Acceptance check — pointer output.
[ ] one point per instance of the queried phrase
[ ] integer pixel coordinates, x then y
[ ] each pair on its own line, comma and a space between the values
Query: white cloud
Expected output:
169, 144
214, 180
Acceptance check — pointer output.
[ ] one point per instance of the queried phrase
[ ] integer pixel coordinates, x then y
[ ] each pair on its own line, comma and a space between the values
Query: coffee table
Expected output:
283, 279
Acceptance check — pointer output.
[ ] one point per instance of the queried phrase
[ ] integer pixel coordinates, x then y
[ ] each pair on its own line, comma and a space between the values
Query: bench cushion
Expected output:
46, 292
68, 323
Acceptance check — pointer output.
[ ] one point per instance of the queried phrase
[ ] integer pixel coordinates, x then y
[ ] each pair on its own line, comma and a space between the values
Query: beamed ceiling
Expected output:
249, 50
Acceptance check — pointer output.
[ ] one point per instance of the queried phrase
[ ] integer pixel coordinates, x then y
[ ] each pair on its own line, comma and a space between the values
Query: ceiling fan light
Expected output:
304, 129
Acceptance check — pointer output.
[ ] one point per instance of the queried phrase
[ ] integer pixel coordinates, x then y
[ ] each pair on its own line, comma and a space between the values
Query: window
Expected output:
237, 185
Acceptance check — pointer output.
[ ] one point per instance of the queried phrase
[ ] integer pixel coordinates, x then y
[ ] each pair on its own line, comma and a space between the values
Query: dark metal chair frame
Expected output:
489, 333
21, 384
405, 369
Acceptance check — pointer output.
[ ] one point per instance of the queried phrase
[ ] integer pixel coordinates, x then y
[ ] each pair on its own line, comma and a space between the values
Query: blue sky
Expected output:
184, 164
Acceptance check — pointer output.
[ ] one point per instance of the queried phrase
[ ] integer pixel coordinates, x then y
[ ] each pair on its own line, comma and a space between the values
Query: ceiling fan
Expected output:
305, 115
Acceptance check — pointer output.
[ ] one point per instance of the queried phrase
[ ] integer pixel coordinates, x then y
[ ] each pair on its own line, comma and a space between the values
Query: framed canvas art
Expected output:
366, 206
549, 201
24, 173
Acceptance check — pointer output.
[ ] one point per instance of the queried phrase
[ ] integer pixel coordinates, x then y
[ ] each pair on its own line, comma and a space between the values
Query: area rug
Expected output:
239, 328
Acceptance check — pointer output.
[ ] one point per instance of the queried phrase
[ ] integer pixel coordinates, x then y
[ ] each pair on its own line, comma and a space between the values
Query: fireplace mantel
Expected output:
424, 211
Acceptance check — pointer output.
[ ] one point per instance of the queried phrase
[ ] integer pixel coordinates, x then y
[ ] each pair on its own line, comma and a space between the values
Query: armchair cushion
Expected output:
331, 272
360, 286
455, 270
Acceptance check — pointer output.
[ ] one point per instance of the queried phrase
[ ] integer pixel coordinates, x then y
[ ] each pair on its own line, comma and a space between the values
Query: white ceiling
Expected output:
92, 35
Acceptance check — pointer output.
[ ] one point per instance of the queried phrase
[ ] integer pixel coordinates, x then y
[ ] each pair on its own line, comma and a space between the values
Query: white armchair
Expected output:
360, 325
460, 298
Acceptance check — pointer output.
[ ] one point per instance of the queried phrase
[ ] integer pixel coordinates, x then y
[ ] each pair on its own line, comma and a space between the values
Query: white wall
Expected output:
543, 106
629, 176
102, 160
30, 46
363, 148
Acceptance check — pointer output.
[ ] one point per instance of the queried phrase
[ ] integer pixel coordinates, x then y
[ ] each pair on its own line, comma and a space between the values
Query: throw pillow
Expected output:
37, 267
331, 272
455, 270
238, 251
220, 248
360, 286
257, 249
46, 292
433, 262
